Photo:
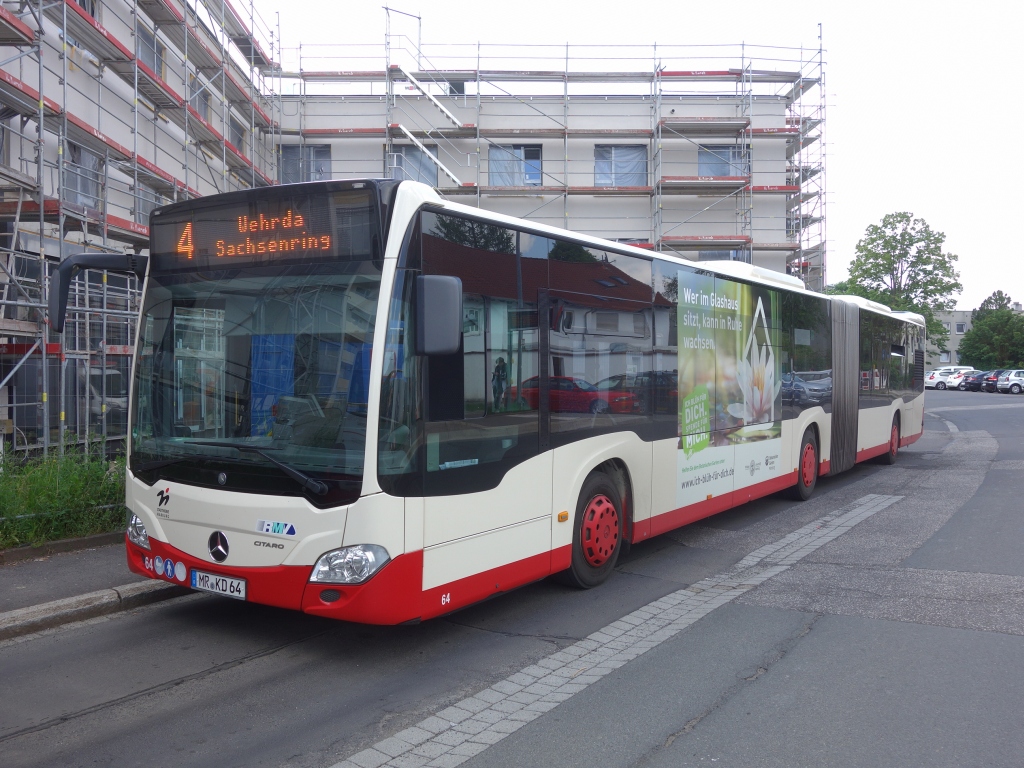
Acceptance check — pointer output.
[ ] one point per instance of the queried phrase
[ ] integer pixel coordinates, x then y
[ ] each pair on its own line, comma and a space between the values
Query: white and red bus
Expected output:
359, 400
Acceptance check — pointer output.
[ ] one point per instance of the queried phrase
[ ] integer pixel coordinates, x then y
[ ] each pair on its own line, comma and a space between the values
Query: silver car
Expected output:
1011, 381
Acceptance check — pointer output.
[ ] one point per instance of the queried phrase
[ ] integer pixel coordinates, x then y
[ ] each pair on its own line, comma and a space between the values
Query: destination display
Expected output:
269, 229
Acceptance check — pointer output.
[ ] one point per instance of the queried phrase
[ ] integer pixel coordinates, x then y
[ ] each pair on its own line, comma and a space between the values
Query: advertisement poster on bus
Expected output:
729, 386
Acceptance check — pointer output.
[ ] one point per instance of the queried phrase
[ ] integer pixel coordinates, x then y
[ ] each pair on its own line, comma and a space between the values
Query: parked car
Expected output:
937, 379
1012, 382
972, 382
574, 395
955, 380
988, 384
656, 391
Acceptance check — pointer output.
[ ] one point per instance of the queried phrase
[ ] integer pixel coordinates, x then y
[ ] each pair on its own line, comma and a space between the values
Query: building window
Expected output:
146, 200
82, 171
722, 160
618, 165
237, 134
944, 357
200, 97
309, 162
945, 325
961, 328
89, 6
414, 164
514, 165
151, 51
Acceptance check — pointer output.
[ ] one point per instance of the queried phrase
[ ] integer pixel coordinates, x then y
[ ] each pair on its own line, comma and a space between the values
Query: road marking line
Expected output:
977, 407
470, 726
949, 424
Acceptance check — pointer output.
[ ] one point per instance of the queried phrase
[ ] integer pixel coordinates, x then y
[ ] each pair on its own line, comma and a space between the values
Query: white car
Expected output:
937, 378
955, 380
1011, 381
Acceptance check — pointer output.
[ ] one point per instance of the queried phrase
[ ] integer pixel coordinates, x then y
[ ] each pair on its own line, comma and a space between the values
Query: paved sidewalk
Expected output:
67, 574
54, 589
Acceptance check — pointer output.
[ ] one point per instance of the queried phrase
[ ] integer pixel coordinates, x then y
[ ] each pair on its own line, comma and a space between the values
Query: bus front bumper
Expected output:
391, 596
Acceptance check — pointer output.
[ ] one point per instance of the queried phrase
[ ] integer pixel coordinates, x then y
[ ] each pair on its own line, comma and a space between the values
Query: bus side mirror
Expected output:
61, 277
438, 315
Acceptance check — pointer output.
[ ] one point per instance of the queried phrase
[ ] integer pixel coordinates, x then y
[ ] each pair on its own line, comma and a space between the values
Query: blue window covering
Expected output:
273, 375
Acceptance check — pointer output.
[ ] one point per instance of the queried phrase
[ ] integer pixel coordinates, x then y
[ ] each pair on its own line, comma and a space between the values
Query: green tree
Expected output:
997, 300
573, 252
996, 338
475, 234
900, 263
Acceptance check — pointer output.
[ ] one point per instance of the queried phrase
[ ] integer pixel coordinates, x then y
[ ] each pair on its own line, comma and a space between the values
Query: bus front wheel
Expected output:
597, 533
807, 467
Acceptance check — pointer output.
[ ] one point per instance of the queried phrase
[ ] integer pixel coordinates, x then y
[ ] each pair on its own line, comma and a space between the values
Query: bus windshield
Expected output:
270, 354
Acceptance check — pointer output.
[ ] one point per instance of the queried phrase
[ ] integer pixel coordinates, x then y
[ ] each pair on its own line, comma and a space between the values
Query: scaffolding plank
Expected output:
358, 133
699, 242
776, 246
13, 31
16, 328
23, 98
238, 95
771, 133
343, 76
126, 229
161, 12
88, 32
775, 189
704, 126
14, 177
702, 185
151, 85
81, 132
157, 177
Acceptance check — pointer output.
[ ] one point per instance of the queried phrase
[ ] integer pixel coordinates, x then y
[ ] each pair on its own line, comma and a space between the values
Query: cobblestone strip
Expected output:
468, 727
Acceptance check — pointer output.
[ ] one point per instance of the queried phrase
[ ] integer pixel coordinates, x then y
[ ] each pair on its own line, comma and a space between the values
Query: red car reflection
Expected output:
572, 395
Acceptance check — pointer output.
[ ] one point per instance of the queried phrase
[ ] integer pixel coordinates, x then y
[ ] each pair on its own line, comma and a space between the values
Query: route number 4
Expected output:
446, 598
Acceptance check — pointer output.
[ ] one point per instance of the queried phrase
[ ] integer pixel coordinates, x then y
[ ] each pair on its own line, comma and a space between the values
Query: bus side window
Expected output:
481, 415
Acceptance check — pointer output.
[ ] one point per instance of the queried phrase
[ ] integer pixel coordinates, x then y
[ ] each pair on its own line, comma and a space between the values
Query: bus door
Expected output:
487, 484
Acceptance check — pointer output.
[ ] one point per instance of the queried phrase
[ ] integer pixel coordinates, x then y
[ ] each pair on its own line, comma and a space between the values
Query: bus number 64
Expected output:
446, 598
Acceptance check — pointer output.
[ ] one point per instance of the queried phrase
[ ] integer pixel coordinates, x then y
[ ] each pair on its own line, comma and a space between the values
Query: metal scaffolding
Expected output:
733, 165
108, 109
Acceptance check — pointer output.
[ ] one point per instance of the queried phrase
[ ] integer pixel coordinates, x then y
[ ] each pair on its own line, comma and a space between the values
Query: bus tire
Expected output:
807, 467
597, 533
889, 457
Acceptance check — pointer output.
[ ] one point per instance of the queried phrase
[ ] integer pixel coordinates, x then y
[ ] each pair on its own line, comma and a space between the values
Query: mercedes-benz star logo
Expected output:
218, 546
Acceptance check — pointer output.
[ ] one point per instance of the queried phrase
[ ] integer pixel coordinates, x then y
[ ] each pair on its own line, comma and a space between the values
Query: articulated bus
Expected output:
362, 401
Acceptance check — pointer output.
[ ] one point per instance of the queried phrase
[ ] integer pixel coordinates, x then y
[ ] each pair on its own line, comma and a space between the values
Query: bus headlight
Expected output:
137, 532
349, 565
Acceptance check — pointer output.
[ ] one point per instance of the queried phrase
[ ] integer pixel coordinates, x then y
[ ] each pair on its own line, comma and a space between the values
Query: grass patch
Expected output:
59, 497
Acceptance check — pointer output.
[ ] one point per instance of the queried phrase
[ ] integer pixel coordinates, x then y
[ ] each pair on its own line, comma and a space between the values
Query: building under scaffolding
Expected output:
109, 108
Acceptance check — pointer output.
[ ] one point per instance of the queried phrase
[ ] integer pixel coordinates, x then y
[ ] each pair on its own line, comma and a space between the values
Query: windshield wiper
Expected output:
159, 463
302, 479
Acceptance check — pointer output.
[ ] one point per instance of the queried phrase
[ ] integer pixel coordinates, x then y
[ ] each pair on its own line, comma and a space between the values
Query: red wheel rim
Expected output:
600, 532
807, 466
894, 440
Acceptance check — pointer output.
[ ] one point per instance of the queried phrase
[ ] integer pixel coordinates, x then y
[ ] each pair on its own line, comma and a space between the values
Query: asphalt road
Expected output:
880, 623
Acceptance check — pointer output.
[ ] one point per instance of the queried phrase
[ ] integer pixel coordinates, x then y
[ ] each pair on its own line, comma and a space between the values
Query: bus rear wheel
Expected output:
807, 467
597, 533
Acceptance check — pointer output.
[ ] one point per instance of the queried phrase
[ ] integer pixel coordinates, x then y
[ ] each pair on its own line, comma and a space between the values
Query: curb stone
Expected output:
24, 621
17, 554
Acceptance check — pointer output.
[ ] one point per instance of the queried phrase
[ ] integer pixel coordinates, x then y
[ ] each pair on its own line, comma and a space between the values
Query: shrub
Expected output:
59, 497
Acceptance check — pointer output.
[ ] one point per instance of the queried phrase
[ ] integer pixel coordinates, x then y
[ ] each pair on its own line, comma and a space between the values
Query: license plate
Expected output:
218, 585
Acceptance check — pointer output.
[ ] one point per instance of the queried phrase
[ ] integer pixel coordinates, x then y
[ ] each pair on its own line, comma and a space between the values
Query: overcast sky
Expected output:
923, 97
